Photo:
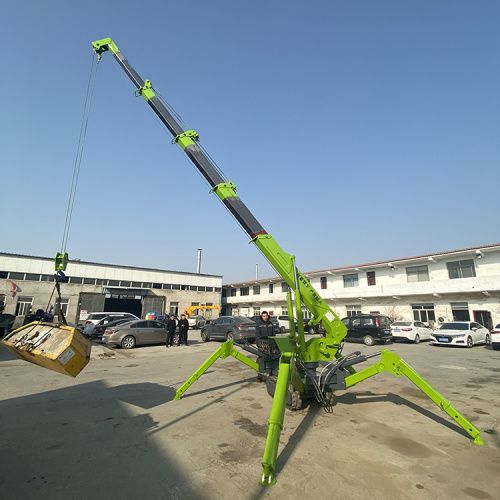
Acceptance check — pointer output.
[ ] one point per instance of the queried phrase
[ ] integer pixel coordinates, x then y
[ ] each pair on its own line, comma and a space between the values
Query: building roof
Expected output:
371, 264
78, 261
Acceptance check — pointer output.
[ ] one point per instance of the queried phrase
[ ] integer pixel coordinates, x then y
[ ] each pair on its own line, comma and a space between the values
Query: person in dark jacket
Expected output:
170, 326
264, 330
183, 329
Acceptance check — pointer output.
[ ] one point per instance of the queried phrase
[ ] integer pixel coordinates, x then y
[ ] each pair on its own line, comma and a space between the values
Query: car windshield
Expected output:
455, 326
402, 323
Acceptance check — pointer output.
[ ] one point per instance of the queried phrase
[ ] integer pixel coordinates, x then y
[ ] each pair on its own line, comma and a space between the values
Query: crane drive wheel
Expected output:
59, 348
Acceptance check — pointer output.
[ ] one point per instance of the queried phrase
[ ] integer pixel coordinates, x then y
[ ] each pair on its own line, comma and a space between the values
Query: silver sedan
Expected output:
132, 333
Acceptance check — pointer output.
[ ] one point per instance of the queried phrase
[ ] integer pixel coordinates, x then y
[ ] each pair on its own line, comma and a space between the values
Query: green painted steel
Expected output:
276, 421
146, 91
392, 363
225, 190
61, 261
103, 45
284, 265
186, 139
225, 350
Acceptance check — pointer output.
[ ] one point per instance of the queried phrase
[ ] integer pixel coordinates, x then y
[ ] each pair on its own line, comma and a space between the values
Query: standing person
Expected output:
183, 329
264, 330
170, 326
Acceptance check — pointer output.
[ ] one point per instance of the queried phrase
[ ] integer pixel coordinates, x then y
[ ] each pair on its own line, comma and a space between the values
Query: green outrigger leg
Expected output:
224, 351
392, 363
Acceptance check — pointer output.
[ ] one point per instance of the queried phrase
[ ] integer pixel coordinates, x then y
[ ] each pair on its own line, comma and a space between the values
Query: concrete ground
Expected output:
115, 431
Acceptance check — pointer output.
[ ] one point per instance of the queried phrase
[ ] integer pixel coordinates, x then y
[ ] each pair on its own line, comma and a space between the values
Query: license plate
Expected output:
397, 330
441, 339
387, 331
251, 327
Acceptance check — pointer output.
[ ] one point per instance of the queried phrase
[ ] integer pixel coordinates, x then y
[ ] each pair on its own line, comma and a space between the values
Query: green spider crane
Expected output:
291, 362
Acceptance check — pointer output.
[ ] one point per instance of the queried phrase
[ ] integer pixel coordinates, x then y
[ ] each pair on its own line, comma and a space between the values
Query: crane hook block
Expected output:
61, 261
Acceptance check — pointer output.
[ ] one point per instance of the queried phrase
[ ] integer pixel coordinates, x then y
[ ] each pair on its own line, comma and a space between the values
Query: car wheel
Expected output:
496, 347
311, 330
128, 342
230, 336
381, 342
204, 336
469, 342
487, 340
416, 340
282, 329
368, 340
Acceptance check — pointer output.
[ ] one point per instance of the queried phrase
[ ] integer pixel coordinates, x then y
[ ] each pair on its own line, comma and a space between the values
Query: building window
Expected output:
75, 280
353, 310
285, 287
460, 311
174, 308
164, 286
100, 282
16, 276
461, 269
323, 282
126, 284
233, 292
116, 283
370, 277
89, 281
284, 311
64, 307
156, 285
417, 273
176, 287
24, 305
244, 291
32, 277
271, 287
3, 275
46, 277
256, 290
423, 312
256, 312
350, 280
183, 287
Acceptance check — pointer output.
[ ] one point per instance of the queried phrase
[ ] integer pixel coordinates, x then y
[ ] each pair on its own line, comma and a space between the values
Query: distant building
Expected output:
27, 284
457, 285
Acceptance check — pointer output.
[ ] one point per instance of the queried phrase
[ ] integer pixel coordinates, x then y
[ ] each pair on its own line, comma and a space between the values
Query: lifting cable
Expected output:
79, 152
74, 183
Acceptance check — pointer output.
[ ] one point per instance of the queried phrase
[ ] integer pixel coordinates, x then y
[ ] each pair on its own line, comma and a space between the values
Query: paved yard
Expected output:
115, 431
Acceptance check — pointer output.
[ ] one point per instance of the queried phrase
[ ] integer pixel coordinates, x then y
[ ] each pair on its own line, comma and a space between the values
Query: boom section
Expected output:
226, 191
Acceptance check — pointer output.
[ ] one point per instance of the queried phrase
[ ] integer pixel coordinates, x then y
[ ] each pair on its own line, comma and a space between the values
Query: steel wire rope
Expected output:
165, 102
79, 152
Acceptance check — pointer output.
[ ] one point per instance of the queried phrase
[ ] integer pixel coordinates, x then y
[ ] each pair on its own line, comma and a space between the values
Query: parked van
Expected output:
283, 323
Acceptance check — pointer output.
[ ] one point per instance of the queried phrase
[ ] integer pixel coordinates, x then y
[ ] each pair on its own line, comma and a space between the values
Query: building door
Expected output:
483, 318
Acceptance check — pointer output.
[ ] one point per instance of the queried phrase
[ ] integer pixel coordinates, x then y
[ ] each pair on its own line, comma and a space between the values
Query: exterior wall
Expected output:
393, 293
169, 286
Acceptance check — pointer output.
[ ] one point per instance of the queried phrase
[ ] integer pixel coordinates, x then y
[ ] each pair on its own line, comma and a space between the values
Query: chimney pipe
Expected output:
198, 267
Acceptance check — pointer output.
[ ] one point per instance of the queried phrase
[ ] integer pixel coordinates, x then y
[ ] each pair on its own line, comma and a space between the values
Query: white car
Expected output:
495, 338
101, 318
461, 333
410, 330
196, 321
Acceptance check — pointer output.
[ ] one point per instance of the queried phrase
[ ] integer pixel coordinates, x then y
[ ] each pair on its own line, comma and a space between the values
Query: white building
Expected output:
27, 284
445, 286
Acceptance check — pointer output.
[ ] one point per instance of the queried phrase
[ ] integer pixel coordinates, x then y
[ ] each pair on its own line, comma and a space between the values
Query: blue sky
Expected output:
355, 131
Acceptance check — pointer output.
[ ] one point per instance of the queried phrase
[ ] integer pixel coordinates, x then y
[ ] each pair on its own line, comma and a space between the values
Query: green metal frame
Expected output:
224, 351
294, 348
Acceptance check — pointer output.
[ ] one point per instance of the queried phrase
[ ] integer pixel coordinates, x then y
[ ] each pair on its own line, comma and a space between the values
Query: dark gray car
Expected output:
132, 333
229, 327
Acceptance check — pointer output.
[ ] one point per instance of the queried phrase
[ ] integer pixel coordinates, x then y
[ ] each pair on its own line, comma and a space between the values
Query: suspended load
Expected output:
59, 348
